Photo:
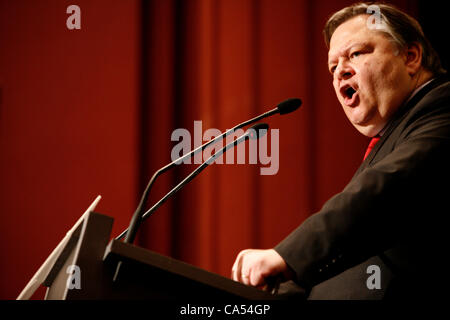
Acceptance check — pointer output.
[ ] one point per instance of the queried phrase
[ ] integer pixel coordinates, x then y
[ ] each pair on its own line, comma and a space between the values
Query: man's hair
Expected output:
397, 25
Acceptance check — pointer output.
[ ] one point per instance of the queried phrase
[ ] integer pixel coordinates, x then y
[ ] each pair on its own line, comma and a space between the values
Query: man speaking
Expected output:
390, 220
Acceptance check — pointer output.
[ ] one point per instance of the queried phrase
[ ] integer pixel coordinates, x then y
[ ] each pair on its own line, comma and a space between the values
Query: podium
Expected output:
90, 266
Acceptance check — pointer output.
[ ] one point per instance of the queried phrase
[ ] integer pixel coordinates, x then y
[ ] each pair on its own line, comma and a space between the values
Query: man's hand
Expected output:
253, 267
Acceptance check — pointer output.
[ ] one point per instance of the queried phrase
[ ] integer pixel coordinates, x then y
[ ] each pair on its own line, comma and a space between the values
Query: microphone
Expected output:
255, 132
282, 108
289, 105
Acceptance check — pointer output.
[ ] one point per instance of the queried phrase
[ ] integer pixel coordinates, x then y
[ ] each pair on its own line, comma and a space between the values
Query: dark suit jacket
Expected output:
392, 214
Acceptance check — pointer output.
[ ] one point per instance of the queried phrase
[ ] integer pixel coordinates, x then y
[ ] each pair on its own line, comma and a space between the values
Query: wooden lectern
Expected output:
86, 268
143, 274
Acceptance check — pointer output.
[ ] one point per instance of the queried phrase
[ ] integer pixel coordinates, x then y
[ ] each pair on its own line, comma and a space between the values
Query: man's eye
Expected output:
355, 54
332, 69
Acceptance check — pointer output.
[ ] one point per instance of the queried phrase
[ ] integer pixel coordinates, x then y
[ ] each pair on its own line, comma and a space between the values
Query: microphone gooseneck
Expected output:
255, 132
282, 108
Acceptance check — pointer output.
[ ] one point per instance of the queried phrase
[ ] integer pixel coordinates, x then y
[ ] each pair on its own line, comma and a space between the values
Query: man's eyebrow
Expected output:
345, 50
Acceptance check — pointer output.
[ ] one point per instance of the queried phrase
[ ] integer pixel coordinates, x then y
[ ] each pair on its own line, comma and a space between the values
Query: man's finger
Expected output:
237, 266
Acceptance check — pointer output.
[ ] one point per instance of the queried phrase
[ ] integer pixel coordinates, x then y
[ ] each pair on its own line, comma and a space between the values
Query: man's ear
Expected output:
413, 58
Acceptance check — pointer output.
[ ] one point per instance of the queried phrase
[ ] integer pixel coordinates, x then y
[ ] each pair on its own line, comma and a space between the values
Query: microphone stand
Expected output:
254, 132
130, 232
282, 108
248, 135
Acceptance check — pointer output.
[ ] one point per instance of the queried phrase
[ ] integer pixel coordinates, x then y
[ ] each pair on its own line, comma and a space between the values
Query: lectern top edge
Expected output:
117, 250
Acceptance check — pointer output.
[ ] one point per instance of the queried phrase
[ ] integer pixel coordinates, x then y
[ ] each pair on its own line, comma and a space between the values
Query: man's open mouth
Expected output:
349, 94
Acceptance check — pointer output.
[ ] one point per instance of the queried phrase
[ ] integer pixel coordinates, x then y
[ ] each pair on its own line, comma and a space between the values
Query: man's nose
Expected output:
344, 71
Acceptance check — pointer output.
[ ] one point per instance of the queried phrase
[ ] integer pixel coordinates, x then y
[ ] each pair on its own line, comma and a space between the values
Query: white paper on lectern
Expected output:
42, 273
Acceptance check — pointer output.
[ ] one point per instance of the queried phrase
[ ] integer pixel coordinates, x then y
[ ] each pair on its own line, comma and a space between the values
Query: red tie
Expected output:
372, 144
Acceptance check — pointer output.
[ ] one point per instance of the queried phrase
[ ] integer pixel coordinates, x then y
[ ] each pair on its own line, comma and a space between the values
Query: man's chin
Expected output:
369, 130
366, 123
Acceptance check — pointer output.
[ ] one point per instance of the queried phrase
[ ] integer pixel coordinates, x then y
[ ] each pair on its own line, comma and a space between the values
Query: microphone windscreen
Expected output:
289, 105
258, 130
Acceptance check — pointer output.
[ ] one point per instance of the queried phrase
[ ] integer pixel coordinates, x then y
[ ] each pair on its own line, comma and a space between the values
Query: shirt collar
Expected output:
418, 89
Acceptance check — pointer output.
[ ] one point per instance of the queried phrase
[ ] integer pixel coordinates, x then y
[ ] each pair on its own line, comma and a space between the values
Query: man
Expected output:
383, 236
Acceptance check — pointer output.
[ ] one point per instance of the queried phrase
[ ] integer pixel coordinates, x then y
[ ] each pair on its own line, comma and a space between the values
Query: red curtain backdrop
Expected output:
91, 111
